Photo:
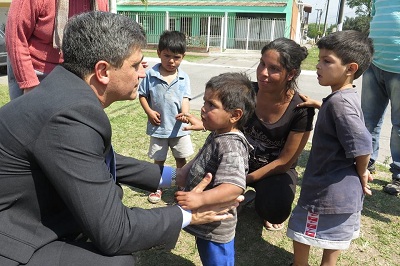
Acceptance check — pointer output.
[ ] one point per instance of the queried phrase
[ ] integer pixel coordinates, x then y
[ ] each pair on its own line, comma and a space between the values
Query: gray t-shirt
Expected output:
225, 156
331, 184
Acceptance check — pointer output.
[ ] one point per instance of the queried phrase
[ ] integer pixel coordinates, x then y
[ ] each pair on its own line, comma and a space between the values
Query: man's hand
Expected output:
211, 213
189, 200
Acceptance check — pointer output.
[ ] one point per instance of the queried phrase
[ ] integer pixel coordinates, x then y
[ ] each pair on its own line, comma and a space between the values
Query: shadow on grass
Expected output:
160, 257
251, 248
380, 204
301, 164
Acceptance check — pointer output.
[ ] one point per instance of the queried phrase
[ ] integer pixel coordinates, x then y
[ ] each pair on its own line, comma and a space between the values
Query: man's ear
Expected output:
236, 115
352, 68
102, 72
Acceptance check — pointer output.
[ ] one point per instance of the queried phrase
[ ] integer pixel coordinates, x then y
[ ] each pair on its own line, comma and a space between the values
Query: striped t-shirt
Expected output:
385, 32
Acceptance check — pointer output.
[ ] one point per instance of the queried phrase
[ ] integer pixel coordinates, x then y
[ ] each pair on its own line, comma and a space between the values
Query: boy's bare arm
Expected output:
153, 116
363, 172
184, 114
185, 105
217, 195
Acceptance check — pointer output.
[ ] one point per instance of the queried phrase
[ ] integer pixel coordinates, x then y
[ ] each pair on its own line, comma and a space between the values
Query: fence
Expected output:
212, 31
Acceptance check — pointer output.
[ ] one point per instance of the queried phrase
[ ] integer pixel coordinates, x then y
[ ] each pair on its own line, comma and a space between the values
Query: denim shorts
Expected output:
327, 231
181, 147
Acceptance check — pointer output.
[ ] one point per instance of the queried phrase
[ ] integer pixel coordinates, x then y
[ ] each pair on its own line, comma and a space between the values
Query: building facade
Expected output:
218, 24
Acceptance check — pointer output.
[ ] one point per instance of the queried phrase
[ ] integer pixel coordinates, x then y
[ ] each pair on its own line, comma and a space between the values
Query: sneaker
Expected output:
371, 167
155, 197
393, 188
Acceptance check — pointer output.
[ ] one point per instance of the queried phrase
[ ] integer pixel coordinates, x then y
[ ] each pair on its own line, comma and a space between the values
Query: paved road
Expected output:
201, 71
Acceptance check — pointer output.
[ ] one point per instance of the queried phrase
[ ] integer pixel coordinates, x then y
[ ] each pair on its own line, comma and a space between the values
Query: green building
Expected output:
220, 24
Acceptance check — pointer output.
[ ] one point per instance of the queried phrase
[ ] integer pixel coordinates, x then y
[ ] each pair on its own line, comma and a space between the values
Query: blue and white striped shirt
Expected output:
385, 32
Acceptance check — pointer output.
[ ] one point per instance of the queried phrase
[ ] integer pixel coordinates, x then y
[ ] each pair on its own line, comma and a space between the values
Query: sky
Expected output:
332, 13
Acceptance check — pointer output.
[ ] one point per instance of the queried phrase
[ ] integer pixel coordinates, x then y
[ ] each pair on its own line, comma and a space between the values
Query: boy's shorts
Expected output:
181, 147
327, 231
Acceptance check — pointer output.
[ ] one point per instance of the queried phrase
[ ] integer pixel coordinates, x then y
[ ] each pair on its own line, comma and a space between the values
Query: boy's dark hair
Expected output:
174, 41
291, 55
350, 46
235, 91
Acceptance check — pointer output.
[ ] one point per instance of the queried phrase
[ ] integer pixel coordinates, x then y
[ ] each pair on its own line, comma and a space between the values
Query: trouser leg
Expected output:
76, 254
374, 101
275, 195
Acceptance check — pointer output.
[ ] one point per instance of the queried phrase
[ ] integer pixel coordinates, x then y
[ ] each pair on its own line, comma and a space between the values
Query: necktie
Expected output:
111, 163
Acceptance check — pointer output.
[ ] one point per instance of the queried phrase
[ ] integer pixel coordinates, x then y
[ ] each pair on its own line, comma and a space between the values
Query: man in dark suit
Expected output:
57, 172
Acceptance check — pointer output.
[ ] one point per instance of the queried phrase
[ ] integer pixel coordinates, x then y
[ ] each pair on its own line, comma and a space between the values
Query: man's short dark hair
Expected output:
94, 36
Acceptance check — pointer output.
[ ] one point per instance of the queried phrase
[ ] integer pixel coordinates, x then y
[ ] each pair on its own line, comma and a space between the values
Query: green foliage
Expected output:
362, 7
312, 30
360, 23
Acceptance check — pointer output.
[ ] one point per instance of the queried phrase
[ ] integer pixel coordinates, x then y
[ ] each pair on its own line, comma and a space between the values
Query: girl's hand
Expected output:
308, 102
195, 123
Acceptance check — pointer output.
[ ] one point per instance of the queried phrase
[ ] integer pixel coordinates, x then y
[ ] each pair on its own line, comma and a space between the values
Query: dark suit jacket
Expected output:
54, 180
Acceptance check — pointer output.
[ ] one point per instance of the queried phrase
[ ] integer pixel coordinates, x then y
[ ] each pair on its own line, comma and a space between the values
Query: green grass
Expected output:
380, 232
4, 97
312, 59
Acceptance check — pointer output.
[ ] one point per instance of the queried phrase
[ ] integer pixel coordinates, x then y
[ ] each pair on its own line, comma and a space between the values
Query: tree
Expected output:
312, 31
363, 7
360, 23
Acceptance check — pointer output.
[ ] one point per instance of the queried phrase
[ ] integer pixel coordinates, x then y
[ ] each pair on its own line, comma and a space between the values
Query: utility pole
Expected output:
340, 16
326, 16
318, 20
